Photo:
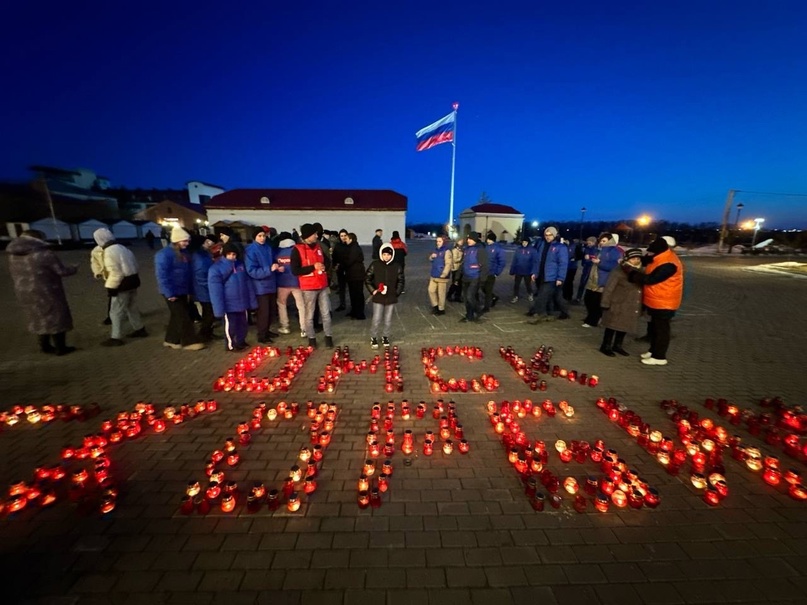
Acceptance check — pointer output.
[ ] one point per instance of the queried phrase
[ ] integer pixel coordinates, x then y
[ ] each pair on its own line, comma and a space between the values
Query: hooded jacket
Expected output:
259, 260
231, 289
390, 274
496, 260
37, 275
173, 269
120, 265
609, 254
285, 278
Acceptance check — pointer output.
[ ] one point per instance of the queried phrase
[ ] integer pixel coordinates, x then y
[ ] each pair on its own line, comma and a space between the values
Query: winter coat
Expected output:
37, 276
622, 301
496, 260
524, 259
231, 288
557, 261
259, 260
663, 281
338, 256
120, 265
475, 263
377, 243
610, 255
201, 261
390, 274
400, 250
353, 262
285, 278
456, 257
173, 269
441, 264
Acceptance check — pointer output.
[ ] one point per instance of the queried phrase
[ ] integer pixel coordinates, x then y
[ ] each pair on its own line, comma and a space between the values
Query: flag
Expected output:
442, 131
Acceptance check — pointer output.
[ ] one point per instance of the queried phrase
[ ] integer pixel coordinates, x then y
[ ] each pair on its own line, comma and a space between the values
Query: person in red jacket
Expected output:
311, 265
663, 282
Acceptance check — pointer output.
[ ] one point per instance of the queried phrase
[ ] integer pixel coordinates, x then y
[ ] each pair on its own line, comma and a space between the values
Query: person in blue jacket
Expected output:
232, 294
261, 267
288, 284
548, 273
496, 262
474, 273
590, 250
524, 258
201, 261
172, 265
604, 261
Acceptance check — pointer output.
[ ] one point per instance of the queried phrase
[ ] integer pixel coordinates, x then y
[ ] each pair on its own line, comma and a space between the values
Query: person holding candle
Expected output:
37, 275
261, 267
622, 305
172, 266
663, 281
474, 273
385, 281
439, 274
122, 282
603, 262
232, 294
310, 263
288, 285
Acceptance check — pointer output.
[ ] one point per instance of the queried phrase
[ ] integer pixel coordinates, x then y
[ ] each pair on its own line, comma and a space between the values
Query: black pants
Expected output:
659, 330
470, 292
180, 325
342, 285
356, 289
490, 282
455, 289
592, 301
568, 284
267, 309
527, 283
612, 339
206, 327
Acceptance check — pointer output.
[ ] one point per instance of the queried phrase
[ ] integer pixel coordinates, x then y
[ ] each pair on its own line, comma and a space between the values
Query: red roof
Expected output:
494, 209
309, 199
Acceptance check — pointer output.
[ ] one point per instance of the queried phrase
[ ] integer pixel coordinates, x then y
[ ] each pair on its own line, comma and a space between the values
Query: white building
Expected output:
503, 220
200, 193
360, 211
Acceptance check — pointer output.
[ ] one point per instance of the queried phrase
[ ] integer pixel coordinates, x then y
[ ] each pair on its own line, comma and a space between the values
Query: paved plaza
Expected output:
451, 529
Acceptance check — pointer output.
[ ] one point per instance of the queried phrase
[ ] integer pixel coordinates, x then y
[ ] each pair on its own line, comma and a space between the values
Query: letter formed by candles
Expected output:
342, 366
429, 357
238, 379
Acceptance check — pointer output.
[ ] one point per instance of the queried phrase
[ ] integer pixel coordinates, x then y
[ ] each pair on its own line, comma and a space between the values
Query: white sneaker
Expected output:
587, 326
647, 355
302, 333
530, 298
172, 345
652, 361
514, 299
197, 346
282, 330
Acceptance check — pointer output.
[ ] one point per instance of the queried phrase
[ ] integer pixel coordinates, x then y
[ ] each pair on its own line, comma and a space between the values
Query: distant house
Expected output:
169, 214
492, 217
361, 211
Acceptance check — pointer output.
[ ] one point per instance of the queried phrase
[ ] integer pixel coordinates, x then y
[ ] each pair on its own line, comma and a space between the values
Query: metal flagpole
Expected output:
453, 164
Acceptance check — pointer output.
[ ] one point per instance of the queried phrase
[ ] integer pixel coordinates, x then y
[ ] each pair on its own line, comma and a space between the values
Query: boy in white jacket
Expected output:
122, 281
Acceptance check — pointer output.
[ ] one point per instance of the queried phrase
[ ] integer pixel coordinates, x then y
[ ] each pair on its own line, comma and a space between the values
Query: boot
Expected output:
607, 351
44, 344
329, 342
312, 342
617, 348
60, 342
435, 309
605, 347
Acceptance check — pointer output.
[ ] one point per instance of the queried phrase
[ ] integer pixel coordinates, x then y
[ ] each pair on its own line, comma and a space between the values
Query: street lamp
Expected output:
642, 221
582, 214
757, 224
740, 206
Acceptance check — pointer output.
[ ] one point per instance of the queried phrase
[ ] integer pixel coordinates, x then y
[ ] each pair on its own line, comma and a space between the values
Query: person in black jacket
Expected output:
353, 260
338, 258
385, 280
377, 242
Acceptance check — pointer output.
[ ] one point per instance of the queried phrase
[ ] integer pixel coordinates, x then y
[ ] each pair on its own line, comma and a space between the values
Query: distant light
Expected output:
534, 224
644, 220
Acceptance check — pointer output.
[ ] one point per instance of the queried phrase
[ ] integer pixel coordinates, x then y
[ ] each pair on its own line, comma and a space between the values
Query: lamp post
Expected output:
642, 221
740, 206
582, 215
757, 224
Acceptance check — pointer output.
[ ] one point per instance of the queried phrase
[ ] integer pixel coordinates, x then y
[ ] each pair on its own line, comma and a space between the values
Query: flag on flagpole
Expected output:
442, 131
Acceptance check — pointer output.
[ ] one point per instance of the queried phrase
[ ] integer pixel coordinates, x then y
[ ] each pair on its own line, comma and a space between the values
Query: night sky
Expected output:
622, 107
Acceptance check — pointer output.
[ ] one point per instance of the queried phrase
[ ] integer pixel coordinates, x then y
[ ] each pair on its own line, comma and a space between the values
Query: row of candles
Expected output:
780, 428
46, 413
342, 363
236, 379
539, 364
381, 427
84, 475
619, 485
704, 433
522, 409
428, 357
223, 493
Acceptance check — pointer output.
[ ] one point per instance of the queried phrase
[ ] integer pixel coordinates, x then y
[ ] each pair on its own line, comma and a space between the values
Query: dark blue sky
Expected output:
622, 107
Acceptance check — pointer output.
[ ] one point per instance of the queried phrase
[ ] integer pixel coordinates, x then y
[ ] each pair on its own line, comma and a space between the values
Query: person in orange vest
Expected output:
663, 288
311, 265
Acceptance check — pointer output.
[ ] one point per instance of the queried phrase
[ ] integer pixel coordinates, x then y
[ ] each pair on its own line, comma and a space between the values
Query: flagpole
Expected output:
453, 165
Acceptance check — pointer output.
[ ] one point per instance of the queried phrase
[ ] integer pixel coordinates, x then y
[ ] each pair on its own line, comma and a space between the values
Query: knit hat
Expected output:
591, 241
670, 240
474, 235
284, 235
633, 253
552, 230
491, 236
525, 238
258, 231
103, 236
387, 249
307, 230
658, 245
230, 247
178, 234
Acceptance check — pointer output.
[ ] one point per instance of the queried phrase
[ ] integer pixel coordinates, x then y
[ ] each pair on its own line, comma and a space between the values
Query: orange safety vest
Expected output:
316, 280
667, 294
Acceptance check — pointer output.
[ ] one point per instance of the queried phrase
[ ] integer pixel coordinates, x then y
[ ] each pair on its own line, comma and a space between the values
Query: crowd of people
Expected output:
210, 280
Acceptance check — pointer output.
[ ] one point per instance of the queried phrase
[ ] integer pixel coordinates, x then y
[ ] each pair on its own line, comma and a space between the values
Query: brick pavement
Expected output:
452, 529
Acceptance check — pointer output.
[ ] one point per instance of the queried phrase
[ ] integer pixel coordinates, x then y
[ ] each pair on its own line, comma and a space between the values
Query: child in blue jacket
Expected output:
232, 294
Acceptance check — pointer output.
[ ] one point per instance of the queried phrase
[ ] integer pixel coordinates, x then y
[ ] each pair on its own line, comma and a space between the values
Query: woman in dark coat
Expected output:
37, 274
621, 304
353, 261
